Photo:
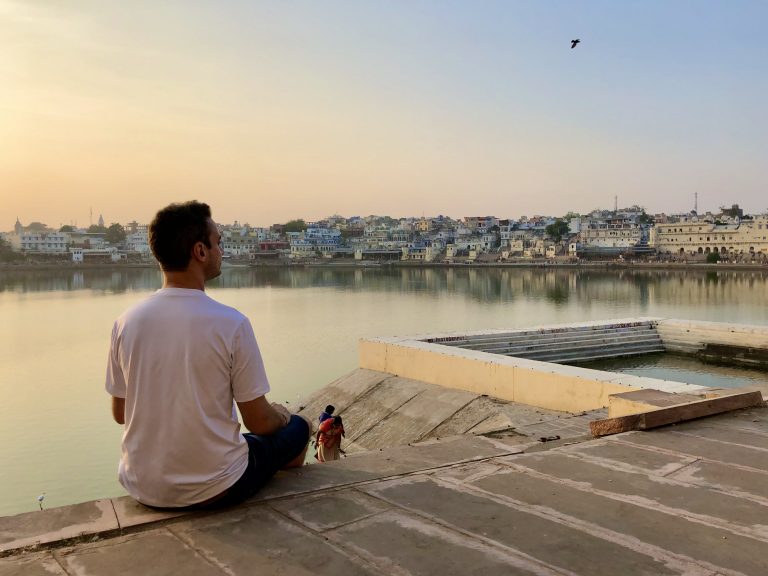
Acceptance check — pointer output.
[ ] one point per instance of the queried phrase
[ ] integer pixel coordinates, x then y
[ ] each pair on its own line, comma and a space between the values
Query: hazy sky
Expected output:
283, 109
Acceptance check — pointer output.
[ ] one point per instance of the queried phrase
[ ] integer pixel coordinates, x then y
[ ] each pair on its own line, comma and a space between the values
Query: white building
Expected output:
694, 236
45, 242
80, 255
612, 232
138, 242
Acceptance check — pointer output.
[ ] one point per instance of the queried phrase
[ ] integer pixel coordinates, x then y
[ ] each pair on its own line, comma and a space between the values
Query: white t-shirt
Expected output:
179, 359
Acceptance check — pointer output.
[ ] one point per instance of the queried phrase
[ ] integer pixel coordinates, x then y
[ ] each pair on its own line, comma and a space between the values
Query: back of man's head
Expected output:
174, 232
329, 409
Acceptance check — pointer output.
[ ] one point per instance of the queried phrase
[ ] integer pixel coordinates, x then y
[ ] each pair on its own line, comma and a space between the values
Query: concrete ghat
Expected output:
381, 410
692, 337
658, 502
555, 386
542, 384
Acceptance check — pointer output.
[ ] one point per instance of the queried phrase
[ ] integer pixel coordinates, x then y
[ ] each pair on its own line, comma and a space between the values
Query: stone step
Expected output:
471, 341
574, 344
596, 353
595, 357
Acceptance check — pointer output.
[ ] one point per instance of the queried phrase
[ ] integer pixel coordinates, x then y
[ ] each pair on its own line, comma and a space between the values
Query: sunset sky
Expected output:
275, 110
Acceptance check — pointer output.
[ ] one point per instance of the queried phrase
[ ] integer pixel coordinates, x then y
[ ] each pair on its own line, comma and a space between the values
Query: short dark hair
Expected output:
174, 232
329, 409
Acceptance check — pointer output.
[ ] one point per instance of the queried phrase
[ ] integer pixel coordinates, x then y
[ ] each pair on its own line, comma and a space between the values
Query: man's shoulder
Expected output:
161, 303
223, 311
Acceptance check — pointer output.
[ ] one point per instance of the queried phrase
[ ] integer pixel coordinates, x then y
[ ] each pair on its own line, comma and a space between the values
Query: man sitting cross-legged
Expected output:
178, 363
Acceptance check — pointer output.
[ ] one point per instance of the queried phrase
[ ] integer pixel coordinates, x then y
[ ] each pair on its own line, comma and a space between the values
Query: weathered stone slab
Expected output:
564, 427
637, 401
378, 404
700, 448
468, 417
343, 392
497, 422
470, 471
717, 476
315, 477
524, 415
416, 418
711, 548
131, 513
518, 417
40, 564
400, 544
54, 524
383, 464
155, 552
731, 435
678, 413
550, 542
676, 498
330, 510
259, 541
752, 419
648, 461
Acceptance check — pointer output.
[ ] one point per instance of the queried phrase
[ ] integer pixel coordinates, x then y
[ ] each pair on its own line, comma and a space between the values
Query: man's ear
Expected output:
198, 251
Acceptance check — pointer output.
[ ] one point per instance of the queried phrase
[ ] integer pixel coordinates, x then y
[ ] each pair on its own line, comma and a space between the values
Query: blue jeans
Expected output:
266, 455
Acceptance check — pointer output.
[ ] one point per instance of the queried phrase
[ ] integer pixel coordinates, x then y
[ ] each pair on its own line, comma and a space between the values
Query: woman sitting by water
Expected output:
329, 439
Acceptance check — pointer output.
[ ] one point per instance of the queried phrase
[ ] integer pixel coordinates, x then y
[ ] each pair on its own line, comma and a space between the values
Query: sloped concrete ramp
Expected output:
381, 410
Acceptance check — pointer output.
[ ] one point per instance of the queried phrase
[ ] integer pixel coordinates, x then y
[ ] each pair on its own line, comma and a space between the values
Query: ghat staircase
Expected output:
569, 345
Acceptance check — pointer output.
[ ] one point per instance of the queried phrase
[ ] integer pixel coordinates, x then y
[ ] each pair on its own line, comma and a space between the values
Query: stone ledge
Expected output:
55, 527
657, 417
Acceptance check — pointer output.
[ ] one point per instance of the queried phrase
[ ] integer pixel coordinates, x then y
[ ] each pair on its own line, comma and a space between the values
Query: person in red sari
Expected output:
329, 439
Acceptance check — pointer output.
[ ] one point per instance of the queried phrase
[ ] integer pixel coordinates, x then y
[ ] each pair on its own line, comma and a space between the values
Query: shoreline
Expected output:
598, 265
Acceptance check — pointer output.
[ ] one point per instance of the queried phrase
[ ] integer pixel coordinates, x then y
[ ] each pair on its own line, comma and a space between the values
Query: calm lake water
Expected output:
56, 433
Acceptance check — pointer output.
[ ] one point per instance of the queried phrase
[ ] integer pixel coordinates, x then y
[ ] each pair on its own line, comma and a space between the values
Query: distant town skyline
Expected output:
100, 220
273, 111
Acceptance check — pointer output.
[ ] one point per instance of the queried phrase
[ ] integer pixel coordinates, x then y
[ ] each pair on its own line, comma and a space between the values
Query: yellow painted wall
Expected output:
534, 383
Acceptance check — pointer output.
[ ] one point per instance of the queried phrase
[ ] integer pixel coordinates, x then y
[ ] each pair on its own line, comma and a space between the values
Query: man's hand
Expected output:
283, 411
263, 418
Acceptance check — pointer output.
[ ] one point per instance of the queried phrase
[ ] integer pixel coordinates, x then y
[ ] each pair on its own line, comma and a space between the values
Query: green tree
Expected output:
645, 218
7, 254
295, 226
67, 228
115, 234
37, 227
713, 258
96, 229
557, 230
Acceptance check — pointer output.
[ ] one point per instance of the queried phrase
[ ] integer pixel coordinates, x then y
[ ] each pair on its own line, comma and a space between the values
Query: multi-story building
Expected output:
692, 235
611, 233
45, 242
480, 224
506, 227
238, 242
423, 252
376, 233
138, 242
325, 241
401, 236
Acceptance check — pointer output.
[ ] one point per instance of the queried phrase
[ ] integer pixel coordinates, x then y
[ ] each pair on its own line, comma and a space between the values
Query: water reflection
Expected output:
666, 366
482, 284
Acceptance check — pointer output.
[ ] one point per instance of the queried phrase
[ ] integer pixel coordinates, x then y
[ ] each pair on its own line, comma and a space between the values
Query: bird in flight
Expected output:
574, 42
